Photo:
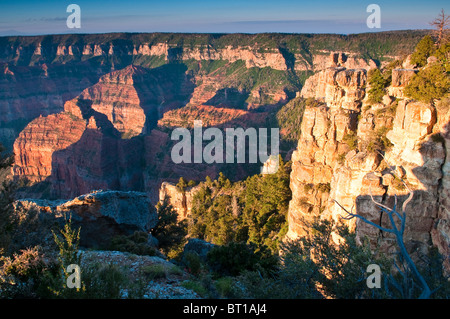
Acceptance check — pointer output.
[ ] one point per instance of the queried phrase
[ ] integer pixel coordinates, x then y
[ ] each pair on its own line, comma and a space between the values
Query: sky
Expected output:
35, 17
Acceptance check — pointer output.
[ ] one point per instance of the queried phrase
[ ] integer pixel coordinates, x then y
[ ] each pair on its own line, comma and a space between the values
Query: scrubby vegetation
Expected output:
38, 273
253, 211
312, 266
433, 79
377, 141
351, 139
136, 243
424, 49
169, 231
378, 83
430, 83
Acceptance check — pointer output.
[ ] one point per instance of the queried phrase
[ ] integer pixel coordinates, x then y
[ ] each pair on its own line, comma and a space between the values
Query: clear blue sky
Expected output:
248, 16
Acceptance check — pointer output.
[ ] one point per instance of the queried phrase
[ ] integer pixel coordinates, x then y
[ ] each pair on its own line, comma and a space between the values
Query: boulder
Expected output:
101, 215
199, 247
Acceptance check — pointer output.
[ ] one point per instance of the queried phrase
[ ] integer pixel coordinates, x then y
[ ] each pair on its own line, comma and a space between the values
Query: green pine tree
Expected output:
430, 83
378, 83
424, 49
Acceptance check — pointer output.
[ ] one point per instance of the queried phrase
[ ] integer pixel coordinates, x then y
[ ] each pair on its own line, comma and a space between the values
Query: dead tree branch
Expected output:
397, 231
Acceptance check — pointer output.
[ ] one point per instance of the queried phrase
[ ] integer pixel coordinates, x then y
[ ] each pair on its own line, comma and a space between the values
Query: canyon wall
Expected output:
94, 113
35, 51
27, 92
108, 138
39, 74
352, 151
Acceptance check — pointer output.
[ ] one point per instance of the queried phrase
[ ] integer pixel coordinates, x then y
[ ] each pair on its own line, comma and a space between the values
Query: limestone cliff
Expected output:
116, 96
337, 87
89, 145
441, 230
181, 200
27, 92
350, 149
254, 55
211, 117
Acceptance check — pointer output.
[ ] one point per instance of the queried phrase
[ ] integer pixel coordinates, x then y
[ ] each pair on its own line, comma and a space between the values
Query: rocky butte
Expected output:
335, 160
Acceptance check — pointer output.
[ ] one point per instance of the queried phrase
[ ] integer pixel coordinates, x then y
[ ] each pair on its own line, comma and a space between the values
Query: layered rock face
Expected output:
90, 145
252, 58
340, 59
116, 97
39, 74
107, 138
27, 92
75, 155
364, 174
336, 160
252, 55
440, 233
224, 90
337, 87
34, 160
211, 116
181, 200
321, 147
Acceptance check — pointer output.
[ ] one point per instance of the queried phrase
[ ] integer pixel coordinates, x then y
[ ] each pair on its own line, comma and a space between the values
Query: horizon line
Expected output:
205, 33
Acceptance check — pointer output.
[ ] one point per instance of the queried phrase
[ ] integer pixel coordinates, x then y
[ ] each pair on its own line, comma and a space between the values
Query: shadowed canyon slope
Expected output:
107, 137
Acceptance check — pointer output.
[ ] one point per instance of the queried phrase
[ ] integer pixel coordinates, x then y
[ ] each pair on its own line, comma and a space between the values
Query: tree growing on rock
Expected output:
432, 81
429, 84
378, 83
